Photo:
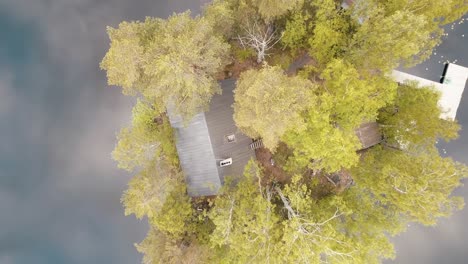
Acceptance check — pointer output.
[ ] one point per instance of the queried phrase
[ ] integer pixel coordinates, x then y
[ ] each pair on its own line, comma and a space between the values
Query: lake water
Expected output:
59, 188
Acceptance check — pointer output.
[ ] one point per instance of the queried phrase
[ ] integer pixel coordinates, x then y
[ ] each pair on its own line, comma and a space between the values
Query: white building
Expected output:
451, 88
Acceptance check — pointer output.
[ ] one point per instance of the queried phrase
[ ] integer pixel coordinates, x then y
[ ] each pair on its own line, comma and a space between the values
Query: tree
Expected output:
158, 248
368, 225
308, 233
270, 9
389, 41
245, 220
437, 13
415, 117
176, 217
220, 13
149, 58
331, 32
268, 103
416, 182
321, 145
296, 30
259, 37
148, 190
355, 99
145, 140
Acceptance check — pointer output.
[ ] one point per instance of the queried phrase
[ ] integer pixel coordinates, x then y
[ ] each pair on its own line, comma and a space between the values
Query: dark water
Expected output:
447, 242
59, 189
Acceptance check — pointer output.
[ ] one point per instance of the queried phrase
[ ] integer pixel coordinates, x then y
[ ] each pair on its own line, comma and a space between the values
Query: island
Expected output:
273, 131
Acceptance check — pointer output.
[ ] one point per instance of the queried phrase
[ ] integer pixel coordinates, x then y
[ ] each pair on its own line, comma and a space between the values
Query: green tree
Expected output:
417, 181
158, 248
149, 138
321, 145
296, 30
384, 42
167, 61
308, 233
148, 190
439, 13
355, 99
220, 13
368, 225
268, 103
154, 247
245, 220
270, 9
177, 214
415, 117
331, 32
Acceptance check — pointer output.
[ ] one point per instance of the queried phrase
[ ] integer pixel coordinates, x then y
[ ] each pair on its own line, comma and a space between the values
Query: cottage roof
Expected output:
206, 140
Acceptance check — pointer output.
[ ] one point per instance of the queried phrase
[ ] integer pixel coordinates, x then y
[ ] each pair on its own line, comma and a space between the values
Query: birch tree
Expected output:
309, 233
259, 37
245, 220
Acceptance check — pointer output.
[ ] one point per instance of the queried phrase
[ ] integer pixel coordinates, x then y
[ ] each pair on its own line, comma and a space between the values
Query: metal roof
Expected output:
221, 124
196, 156
202, 144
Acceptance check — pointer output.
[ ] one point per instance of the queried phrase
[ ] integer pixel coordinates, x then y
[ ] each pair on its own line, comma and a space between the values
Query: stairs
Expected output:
256, 144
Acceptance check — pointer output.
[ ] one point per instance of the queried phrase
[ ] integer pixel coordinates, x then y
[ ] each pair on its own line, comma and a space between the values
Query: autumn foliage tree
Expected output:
415, 117
147, 139
268, 103
245, 219
149, 58
270, 9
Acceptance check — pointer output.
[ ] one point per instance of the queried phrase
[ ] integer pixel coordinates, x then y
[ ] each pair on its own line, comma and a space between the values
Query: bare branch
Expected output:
259, 37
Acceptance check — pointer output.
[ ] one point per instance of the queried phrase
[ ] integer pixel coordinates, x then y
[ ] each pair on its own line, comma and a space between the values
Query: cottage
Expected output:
210, 146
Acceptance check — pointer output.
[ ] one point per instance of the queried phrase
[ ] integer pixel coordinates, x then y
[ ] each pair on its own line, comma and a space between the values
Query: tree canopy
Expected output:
169, 61
313, 195
147, 139
321, 146
415, 117
415, 182
268, 103
270, 9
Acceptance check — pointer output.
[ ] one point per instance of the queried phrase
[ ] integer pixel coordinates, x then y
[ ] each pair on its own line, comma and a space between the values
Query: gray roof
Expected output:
196, 156
202, 143
220, 124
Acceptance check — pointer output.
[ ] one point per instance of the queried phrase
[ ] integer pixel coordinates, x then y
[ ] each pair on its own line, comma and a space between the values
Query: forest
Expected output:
329, 200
